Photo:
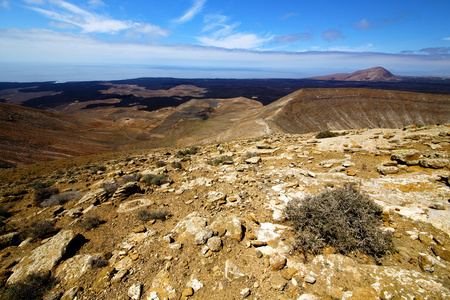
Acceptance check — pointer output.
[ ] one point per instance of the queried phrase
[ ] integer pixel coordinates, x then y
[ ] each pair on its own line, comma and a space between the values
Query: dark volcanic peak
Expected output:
372, 74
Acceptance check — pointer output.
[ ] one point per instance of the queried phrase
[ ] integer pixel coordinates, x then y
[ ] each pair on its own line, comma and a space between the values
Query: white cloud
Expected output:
65, 12
5, 4
223, 35
96, 3
34, 1
365, 48
364, 24
331, 35
446, 39
289, 15
235, 41
192, 12
46, 47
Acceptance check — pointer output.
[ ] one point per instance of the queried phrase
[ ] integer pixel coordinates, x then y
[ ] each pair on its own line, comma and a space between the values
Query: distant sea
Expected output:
38, 73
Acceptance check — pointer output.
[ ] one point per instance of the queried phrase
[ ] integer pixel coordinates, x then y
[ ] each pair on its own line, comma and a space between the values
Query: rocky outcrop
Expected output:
47, 256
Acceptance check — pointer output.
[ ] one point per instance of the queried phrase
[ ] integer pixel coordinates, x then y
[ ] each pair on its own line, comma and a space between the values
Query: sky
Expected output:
107, 39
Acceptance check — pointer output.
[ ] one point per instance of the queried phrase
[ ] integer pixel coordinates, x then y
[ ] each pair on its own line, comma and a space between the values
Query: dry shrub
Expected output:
146, 215
42, 194
152, 179
40, 230
160, 164
98, 262
343, 218
60, 199
219, 160
89, 223
34, 286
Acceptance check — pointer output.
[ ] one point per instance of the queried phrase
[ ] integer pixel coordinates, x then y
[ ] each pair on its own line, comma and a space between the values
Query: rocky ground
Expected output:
209, 224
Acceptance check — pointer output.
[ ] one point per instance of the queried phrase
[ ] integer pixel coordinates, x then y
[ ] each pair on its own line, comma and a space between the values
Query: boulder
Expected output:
47, 256
232, 224
203, 235
435, 163
126, 190
406, 156
161, 287
96, 196
9, 239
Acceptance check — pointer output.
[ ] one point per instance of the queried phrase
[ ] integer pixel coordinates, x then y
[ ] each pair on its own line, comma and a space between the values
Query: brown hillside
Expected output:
30, 135
372, 74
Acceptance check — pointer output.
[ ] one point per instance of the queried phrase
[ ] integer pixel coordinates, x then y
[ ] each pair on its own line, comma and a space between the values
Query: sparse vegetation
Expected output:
40, 230
60, 199
343, 218
249, 155
145, 215
183, 153
98, 262
152, 179
219, 160
42, 194
130, 178
177, 165
89, 223
326, 134
33, 287
160, 164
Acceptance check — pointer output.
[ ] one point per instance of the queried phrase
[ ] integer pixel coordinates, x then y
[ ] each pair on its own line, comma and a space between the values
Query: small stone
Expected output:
351, 173
134, 292
258, 254
251, 236
203, 235
426, 240
175, 246
140, 228
425, 263
258, 243
215, 244
287, 273
310, 279
195, 284
245, 293
277, 262
187, 292
277, 282
134, 256
441, 252
253, 218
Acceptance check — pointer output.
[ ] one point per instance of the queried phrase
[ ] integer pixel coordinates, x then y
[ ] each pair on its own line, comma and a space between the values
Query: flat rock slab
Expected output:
45, 257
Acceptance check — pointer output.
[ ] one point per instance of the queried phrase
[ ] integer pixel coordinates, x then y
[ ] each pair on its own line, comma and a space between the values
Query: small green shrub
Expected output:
326, 134
177, 165
145, 215
33, 287
192, 151
152, 179
343, 218
60, 199
160, 164
89, 223
219, 160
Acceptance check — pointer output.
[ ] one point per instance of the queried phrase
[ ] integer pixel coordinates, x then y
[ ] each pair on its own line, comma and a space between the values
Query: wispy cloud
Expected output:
5, 4
364, 24
67, 16
446, 39
331, 35
365, 48
289, 15
436, 50
49, 47
218, 33
192, 12
96, 3
290, 38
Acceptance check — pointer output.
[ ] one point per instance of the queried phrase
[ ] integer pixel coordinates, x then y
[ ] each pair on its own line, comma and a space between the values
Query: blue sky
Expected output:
101, 39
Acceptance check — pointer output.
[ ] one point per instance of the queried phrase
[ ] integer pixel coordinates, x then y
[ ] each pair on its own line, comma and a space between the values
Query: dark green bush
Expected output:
152, 179
130, 178
177, 165
326, 134
192, 151
219, 160
146, 215
343, 218
33, 287
160, 164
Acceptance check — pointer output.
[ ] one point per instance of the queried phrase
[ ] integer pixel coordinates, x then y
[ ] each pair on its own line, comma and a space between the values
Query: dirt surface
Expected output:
242, 202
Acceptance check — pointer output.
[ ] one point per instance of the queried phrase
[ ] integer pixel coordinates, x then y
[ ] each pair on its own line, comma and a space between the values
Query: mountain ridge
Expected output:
371, 74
